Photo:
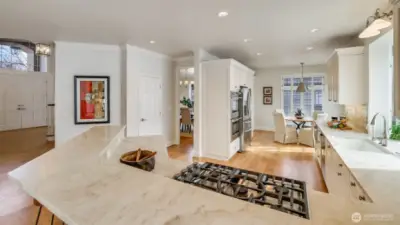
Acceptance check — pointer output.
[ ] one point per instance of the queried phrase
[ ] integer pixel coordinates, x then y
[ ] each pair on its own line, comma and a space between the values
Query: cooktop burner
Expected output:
279, 193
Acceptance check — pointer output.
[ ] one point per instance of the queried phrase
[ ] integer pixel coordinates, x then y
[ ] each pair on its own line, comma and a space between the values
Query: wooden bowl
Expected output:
141, 159
299, 117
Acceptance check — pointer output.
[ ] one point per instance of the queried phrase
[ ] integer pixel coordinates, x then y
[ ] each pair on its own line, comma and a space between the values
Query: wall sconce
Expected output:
42, 49
376, 23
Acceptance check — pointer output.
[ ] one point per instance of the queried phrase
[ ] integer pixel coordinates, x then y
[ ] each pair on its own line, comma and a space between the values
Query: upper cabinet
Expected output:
346, 76
240, 75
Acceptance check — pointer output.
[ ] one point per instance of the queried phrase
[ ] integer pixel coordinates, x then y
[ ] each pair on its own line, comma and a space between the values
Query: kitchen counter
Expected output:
83, 183
377, 173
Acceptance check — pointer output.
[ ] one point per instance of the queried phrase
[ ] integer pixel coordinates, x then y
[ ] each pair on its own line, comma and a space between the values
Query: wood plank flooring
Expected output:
21, 146
265, 156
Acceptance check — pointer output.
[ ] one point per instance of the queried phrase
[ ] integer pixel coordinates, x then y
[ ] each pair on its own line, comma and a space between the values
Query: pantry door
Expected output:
150, 106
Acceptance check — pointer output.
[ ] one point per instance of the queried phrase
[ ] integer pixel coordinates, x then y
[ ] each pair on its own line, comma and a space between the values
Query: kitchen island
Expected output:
83, 183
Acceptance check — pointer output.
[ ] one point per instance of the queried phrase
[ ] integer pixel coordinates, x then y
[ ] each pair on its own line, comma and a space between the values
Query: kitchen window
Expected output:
310, 101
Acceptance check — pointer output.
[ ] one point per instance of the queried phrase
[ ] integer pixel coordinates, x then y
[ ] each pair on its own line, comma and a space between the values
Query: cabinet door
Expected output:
234, 75
335, 78
329, 76
356, 191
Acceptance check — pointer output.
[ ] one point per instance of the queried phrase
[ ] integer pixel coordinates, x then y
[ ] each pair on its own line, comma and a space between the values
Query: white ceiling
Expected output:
280, 29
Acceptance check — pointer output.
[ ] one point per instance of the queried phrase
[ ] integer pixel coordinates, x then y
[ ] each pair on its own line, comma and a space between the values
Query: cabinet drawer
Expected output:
357, 193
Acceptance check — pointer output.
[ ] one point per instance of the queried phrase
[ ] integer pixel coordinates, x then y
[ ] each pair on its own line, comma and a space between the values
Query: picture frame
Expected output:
91, 99
267, 100
267, 90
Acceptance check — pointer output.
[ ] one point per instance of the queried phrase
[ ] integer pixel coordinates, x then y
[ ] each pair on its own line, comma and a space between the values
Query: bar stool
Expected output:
35, 202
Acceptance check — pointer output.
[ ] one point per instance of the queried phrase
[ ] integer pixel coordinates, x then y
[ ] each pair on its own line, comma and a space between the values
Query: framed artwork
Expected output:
267, 100
267, 90
92, 99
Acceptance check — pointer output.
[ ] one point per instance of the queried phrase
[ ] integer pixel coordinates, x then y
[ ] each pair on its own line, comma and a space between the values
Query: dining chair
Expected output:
283, 133
35, 202
306, 136
186, 122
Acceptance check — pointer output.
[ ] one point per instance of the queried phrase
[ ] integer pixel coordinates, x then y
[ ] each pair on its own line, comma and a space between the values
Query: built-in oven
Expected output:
235, 98
235, 128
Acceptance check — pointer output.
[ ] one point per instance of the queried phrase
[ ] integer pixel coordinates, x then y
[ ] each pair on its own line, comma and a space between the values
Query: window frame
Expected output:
292, 87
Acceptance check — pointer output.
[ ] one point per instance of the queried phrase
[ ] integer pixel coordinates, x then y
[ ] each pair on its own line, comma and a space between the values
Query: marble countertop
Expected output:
83, 183
377, 173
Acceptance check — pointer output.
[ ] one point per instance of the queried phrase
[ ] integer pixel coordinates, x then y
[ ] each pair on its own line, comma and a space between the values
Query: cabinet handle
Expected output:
339, 174
340, 165
362, 198
353, 184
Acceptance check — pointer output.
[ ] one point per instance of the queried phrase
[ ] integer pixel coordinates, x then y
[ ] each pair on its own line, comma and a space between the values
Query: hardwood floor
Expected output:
16, 148
266, 156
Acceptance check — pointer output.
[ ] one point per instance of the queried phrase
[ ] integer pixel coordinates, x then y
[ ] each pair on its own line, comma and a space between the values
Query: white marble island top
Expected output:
83, 183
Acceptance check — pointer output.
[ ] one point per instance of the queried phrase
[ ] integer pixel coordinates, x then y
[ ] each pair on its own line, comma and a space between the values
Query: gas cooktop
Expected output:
279, 193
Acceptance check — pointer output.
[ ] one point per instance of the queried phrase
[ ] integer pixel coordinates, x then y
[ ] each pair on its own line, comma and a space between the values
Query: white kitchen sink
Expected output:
364, 145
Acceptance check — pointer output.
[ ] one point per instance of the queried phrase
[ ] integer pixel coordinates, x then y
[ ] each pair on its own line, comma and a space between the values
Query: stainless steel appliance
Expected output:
278, 193
235, 97
235, 115
235, 127
245, 112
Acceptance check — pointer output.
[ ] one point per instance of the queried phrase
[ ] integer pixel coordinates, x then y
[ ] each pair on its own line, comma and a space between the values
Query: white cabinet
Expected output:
219, 78
339, 179
347, 76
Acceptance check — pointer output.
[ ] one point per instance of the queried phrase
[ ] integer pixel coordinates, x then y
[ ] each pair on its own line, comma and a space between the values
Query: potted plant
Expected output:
395, 135
299, 114
186, 102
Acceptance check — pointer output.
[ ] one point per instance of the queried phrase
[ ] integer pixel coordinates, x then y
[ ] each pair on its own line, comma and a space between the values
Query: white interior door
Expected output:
3, 92
12, 102
26, 103
150, 106
40, 104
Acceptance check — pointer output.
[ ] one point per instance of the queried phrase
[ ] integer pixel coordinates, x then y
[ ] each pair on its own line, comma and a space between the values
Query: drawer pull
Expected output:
362, 198
339, 174
340, 165
353, 184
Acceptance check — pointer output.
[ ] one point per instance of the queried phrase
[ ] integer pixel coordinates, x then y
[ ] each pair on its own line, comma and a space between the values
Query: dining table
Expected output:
300, 122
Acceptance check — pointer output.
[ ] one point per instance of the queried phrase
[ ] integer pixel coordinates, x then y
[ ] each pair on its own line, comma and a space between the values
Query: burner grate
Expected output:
279, 193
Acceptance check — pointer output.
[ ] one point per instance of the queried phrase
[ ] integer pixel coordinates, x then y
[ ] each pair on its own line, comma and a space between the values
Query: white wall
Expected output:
144, 62
200, 55
380, 77
273, 77
83, 59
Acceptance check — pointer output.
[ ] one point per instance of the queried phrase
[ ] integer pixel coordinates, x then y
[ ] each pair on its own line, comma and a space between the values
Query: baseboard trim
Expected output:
170, 143
264, 129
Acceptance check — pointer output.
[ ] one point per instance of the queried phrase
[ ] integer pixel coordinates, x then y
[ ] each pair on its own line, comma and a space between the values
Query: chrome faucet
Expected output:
383, 140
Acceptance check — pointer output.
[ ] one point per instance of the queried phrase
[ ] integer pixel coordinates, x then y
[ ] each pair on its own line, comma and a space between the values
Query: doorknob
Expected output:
143, 119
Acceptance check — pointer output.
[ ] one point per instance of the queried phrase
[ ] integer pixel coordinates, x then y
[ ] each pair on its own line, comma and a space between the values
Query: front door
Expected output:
150, 106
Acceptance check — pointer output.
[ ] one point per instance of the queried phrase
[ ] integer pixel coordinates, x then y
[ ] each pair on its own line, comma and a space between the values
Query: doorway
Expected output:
23, 101
185, 86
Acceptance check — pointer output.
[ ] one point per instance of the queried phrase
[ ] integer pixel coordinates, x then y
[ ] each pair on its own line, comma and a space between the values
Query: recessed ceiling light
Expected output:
310, 48
152, 42
258, 53
223, 14
314, 30
247, 40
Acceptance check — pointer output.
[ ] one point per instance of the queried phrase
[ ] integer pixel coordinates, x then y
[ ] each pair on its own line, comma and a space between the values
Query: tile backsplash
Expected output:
357, 116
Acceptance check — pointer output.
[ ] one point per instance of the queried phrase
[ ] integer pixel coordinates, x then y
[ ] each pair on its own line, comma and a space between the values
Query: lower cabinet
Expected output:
234, 147
339, 179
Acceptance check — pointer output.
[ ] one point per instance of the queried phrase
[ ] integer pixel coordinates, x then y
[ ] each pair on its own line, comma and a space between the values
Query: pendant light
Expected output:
302, 87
